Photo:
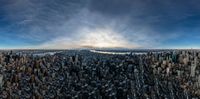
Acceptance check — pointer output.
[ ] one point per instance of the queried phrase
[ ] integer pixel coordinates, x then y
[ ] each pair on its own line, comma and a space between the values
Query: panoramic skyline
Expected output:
63, 24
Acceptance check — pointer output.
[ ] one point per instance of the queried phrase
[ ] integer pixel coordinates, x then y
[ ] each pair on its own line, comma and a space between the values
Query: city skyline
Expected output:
63, 24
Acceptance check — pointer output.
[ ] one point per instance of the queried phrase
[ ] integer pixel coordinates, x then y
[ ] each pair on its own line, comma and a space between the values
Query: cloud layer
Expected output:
99, 23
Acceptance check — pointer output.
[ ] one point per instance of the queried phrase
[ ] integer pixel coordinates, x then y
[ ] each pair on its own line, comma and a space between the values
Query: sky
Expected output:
64, 24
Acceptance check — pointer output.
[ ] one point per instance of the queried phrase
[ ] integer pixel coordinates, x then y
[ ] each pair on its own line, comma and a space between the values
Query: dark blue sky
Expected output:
99, 23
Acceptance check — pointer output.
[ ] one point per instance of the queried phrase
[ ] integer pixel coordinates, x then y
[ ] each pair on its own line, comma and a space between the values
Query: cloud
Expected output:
93, 29
98, 23
40, 20
98, 38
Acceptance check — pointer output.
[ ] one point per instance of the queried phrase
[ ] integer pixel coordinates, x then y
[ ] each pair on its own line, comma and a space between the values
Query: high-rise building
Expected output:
1, 80
193, 67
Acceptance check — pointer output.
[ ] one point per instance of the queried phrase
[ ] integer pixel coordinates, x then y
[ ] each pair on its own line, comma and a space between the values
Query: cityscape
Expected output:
100, 74
99, 49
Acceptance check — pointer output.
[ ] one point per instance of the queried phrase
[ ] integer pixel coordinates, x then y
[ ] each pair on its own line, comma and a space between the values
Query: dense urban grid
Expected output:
82, 74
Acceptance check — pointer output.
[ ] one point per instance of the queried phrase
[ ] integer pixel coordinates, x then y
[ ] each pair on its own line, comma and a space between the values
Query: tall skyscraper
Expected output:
193, 67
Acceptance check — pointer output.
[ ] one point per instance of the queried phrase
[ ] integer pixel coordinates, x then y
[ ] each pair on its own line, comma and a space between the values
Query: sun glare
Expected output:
104, 39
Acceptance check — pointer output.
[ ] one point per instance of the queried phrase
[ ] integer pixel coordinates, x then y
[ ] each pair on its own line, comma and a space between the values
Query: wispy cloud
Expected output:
93, 29
97, 23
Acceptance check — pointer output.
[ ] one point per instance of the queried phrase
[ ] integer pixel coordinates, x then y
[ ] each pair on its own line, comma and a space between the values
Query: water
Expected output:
46, 53
117, 52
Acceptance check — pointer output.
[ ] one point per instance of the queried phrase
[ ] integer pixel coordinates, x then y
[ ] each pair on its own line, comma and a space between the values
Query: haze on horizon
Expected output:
63, 24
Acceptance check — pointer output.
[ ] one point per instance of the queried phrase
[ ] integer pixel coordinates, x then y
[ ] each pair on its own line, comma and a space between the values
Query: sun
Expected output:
101, 38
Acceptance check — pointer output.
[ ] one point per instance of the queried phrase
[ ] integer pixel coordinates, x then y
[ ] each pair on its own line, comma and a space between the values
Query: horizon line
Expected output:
1, 49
